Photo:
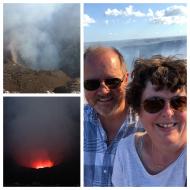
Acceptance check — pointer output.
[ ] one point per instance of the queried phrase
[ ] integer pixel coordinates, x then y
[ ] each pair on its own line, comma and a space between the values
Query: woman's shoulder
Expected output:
131, 139
126, 141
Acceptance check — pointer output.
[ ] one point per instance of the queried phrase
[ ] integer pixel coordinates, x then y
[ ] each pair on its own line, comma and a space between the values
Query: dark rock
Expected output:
70, 86
21, 79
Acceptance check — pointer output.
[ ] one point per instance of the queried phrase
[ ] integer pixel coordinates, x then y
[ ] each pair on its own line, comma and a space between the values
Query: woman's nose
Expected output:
168, 110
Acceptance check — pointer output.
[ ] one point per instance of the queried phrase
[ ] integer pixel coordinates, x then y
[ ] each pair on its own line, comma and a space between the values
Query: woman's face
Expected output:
167, 126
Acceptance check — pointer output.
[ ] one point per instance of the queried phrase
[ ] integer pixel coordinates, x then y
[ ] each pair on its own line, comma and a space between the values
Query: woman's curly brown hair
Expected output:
163, 72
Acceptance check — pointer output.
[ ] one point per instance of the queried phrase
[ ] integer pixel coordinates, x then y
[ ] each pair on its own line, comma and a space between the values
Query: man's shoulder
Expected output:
89, 113
87, 107
88, 110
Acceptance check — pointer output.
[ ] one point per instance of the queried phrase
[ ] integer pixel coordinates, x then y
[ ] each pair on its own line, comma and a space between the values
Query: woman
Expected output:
157, 157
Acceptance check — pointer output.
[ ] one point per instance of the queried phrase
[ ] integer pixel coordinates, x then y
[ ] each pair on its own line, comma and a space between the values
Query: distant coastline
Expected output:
135, 39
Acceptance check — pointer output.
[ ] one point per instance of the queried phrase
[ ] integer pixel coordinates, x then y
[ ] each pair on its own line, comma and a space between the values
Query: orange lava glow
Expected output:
42, 164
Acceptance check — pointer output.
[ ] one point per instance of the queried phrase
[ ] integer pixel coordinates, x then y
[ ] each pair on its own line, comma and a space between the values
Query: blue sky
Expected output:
118, 21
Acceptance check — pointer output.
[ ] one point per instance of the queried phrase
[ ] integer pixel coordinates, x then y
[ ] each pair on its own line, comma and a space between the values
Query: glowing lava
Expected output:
42, 164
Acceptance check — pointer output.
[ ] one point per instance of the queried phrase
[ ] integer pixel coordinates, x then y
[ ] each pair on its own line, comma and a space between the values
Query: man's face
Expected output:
105, 65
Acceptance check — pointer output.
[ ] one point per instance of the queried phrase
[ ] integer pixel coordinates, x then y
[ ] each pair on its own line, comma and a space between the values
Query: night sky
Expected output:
41, 141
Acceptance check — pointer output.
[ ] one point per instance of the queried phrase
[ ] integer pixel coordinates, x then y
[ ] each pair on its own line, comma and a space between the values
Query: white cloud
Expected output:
107, 22
170, 20
128, 11
176, 10
113, 12
159, 13
87, 20
150, 13
172, 15
176, 14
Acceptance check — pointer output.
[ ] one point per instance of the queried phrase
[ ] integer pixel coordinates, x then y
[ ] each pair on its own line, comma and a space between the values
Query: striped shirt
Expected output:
98, 155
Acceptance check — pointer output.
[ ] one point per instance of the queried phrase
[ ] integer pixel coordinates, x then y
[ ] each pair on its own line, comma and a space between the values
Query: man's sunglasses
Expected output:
94, 84
156, 104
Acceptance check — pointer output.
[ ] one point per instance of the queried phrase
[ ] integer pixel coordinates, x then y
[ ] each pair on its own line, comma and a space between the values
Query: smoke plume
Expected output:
43, 36
40, 129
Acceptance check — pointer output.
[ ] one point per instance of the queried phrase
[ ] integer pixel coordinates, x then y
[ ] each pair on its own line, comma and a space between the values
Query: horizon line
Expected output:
101, 41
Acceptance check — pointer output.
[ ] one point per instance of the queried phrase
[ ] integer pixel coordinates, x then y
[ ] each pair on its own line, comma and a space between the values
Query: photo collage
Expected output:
94, 94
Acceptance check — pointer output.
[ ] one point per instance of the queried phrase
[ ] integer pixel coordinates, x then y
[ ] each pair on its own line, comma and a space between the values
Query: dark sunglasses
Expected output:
94, 84
156, 104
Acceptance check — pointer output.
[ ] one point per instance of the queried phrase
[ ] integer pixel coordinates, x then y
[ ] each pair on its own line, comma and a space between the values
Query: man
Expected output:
105, 115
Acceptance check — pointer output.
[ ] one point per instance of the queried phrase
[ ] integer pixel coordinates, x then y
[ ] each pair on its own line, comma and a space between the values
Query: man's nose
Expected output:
103, 89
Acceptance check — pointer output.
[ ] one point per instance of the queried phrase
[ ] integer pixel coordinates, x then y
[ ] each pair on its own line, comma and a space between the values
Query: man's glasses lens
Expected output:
94, 84
113, 82
156, 104
91, 84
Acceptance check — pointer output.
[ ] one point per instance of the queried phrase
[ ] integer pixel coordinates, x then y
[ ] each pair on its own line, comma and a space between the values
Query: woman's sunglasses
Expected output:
94, 84
156, 104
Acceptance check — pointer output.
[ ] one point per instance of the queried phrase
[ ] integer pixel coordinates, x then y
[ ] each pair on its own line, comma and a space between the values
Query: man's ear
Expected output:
126, 77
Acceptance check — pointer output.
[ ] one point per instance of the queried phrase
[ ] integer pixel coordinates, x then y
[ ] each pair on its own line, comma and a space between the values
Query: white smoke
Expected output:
36, 127
42, 35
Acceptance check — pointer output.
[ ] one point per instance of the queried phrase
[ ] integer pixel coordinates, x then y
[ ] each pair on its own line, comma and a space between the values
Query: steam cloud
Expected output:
145, 48
42, 128
43, 36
